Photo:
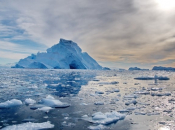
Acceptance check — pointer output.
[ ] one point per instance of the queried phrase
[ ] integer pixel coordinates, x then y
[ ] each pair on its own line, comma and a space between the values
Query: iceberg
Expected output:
64, 55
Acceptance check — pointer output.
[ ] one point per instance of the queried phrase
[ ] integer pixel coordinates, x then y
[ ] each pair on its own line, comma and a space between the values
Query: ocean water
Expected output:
145, 104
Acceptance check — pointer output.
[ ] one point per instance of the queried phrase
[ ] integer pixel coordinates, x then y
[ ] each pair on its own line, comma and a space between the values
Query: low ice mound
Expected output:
55, 103
30, 101
105, 118
30, 126
10, 103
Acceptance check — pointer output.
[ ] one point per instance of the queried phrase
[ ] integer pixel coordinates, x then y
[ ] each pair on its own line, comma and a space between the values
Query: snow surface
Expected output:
30, 126
10, 103
65, 55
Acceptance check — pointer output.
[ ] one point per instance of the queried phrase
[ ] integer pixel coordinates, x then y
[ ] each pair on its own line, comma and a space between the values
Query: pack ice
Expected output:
30, 126
64, 55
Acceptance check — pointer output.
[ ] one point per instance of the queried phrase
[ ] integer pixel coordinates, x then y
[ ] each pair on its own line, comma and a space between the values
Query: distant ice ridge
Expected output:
65, 55
152, 78
30, 126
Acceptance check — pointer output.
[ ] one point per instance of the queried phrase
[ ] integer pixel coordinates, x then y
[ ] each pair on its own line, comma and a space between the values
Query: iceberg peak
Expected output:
64, 55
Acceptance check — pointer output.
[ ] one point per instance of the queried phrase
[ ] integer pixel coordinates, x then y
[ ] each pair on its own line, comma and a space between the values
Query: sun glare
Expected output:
166, 4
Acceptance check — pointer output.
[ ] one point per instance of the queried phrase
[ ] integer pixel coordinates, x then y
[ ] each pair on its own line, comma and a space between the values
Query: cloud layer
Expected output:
115, 31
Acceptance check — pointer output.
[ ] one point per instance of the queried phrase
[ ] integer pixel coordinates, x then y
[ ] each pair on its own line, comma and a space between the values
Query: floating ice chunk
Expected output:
84, 116
30, 126
98, 116
152, 78
99, 92
29, 120
10, 103
124, 111
116, 90
131, 108
131, 96
156, 89
161, 94
50, 97
99, 103
164, 128
98, 127
131, 102
52, 102
154, 113
140, 113
45, 109
105, 118
84, 104
33, 86
163, 78
29, 101
142, 92
68, 124
114, 82
34, 107
144, 78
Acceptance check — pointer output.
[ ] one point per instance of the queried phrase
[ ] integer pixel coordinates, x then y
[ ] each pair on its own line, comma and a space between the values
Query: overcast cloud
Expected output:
116, 33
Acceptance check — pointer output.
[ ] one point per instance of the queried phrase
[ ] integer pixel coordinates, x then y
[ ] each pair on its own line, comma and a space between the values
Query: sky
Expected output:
116, 33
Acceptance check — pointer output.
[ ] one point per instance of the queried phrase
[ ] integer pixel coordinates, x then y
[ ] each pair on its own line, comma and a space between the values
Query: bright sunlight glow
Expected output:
166, 4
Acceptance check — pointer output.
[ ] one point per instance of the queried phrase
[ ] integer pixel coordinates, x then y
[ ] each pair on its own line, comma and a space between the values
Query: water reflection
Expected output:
69, 83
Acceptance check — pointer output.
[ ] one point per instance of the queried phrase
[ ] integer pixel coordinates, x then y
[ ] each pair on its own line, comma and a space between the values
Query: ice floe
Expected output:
52, 102
29, 101
10, 103
105, 118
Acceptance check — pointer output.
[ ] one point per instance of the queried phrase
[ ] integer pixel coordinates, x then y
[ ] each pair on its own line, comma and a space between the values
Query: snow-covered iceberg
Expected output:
64, 55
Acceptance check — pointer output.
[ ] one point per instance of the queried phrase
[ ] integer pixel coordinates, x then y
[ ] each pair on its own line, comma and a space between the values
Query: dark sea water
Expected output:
146, 104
